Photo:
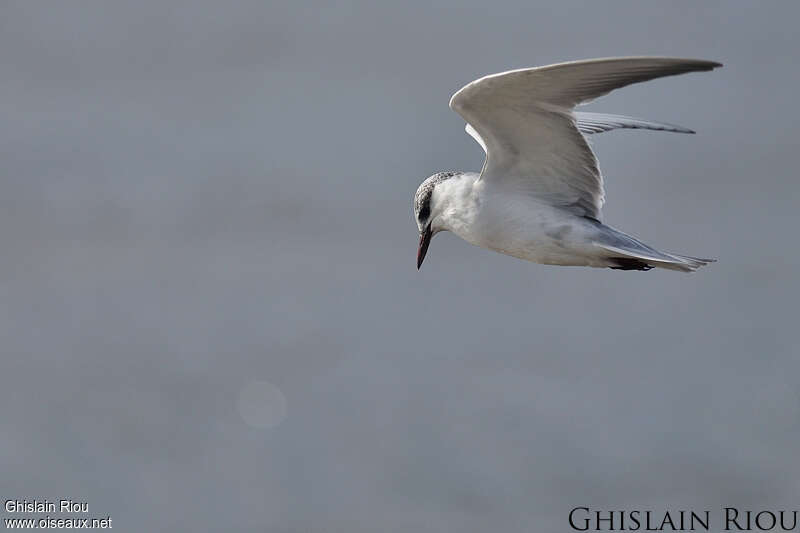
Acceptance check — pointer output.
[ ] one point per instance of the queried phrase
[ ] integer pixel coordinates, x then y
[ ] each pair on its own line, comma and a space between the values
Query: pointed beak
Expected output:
424, 241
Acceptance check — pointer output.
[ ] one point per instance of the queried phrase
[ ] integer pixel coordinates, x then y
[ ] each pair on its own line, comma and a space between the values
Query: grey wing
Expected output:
589, 123
525, 120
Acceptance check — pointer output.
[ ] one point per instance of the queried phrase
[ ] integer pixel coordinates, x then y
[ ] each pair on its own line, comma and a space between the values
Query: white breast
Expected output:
521, 226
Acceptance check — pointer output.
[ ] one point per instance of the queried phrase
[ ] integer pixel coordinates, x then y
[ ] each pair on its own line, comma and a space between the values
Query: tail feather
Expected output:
693, 262
629, 253
648, 257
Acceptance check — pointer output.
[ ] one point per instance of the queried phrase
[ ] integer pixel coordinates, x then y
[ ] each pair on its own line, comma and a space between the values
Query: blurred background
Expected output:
211, 317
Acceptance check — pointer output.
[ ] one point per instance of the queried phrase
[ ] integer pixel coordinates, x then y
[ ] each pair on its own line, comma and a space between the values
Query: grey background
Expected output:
197, 196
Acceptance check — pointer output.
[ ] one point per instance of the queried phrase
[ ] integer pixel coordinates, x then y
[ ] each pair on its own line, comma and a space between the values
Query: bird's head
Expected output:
427, 207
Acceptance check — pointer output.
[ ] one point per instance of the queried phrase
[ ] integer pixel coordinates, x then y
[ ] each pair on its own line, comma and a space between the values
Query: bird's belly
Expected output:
539, 234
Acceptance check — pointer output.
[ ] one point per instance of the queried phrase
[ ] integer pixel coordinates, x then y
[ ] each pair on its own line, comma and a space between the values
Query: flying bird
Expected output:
539, 194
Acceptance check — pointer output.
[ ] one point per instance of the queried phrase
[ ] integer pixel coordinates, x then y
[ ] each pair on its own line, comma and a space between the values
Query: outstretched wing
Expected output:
525, 120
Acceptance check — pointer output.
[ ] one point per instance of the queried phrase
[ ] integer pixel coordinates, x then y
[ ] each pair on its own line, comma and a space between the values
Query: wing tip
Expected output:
705, 65
696, 65
713, 64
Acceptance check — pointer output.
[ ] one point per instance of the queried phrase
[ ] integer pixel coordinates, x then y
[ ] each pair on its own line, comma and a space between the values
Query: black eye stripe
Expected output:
425, 210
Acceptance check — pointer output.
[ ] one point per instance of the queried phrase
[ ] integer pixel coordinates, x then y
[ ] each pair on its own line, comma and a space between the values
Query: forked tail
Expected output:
628, 253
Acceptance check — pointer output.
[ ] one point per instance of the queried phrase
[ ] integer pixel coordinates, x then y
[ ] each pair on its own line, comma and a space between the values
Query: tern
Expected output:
539, 194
